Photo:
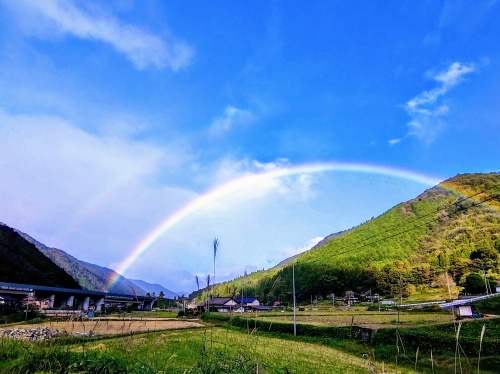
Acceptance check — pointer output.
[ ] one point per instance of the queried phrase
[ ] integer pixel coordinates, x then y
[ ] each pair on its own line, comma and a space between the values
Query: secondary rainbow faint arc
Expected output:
253, 179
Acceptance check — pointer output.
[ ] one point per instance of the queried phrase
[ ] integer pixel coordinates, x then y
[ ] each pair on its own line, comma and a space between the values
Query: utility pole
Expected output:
294, 309
448, 284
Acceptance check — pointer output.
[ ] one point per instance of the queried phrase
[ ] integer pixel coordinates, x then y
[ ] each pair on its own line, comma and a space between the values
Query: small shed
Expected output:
466, 311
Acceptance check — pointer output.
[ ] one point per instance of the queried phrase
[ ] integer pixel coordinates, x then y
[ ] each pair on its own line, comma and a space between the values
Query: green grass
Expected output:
373, 319
428, 339
267, 344
153, 314
213, 350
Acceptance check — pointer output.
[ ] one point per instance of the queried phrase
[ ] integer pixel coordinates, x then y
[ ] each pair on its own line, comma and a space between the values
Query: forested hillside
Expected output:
22, 262
430, 243
89, 276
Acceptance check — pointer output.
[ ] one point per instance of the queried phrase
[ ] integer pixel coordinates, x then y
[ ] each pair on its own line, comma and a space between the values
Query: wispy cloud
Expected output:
58, 179
395, 141
292, 251
231, 117
69, 17
427, 109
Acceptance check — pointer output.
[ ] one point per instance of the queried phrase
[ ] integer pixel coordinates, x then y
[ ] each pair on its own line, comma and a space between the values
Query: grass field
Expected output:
207, 350
358, 317
147, 344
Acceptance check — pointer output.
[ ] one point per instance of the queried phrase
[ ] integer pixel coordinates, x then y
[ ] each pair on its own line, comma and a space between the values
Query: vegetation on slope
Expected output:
433, 241
89, 276
22, 262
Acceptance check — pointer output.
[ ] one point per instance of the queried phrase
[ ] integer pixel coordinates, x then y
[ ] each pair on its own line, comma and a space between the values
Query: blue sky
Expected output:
114, 115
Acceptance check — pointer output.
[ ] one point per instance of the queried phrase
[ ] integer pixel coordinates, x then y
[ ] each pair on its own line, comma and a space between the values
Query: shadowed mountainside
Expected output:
22, 262
89, 276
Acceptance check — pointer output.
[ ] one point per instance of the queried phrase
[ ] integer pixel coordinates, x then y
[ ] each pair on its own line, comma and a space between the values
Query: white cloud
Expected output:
68, 17
98, 196
292, 251
454, 74
231, 117
394, 141
82, 193
427, 109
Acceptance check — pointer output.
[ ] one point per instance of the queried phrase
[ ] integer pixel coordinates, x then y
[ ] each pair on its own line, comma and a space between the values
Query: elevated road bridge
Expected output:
73, 299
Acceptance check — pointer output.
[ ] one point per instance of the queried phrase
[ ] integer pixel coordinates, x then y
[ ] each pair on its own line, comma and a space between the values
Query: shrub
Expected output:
216, 317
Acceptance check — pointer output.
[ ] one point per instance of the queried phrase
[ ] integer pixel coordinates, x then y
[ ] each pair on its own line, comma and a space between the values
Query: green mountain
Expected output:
89, 276
22, 262
425, 245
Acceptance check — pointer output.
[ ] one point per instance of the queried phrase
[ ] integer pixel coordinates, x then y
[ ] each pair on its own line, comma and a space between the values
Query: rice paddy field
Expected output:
347, 317
110, 326
206, 350
140, 343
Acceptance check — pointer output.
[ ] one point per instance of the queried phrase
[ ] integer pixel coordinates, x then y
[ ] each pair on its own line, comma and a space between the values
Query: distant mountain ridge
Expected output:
90, 276
156, 288
78, 274
22, 262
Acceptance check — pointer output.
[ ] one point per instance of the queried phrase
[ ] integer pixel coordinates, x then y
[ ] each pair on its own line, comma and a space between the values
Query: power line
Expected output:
462, 199
355, 244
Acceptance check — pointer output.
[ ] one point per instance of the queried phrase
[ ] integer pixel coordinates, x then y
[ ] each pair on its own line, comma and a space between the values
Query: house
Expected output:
223, 304
261, 308
246, 304
351, 298
37, 303
247, 301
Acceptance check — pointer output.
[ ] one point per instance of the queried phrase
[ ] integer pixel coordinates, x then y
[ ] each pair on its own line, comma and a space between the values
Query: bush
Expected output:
216, 317
491, 306
40, 359
36, 320
287, 328
19, 316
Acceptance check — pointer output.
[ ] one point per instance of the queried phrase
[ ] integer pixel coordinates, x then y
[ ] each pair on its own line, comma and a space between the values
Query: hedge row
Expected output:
440, 342
441, 339
287, 328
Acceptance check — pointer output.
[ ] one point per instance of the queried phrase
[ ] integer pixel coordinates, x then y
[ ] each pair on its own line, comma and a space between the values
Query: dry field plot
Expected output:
111, 327
366, 319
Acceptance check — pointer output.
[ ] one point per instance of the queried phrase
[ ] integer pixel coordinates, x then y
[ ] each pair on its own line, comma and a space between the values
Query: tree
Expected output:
484, 259
161, 295
474, 284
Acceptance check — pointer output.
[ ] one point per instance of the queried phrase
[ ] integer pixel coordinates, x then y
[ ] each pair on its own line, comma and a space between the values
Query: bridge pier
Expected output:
84, 304
99, 304
68, 302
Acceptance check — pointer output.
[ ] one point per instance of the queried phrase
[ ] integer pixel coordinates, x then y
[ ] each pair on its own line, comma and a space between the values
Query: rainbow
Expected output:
254, 179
